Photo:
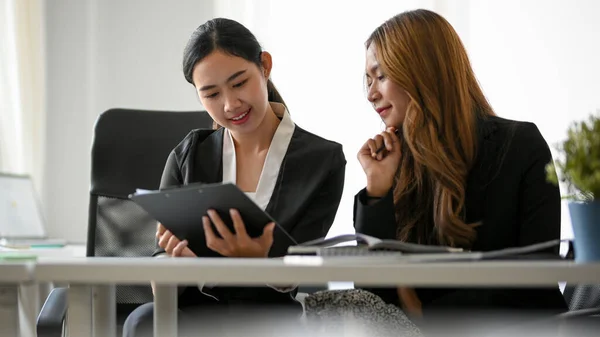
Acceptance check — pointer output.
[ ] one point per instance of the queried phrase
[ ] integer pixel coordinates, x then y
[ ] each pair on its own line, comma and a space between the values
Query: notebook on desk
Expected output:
21, 221
368, 246
365, 243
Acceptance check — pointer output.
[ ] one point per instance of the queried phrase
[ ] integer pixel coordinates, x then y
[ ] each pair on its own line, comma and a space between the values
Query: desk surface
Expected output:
311, 271
67, 251
16, 272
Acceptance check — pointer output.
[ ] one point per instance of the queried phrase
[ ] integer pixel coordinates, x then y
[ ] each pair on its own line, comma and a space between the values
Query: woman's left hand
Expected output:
238, 244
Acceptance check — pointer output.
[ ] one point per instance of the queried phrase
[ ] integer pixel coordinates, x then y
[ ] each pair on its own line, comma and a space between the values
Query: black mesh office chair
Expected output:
581, 319
583, 300
129, 151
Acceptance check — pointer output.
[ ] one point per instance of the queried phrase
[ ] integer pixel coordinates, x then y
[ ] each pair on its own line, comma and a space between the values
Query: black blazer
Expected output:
304, 201
507, 191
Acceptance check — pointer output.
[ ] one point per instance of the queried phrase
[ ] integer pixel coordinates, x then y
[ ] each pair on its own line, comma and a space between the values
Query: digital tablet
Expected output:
180, 210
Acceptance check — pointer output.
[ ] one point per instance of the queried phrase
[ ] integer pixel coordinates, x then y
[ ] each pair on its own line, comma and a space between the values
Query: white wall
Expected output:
103, 54
538, 61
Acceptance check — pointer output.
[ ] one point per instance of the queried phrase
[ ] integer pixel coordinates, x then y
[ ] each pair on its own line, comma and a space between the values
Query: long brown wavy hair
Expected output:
421, 52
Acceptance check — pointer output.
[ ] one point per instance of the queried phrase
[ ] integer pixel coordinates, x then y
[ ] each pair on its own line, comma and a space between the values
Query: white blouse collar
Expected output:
273, 160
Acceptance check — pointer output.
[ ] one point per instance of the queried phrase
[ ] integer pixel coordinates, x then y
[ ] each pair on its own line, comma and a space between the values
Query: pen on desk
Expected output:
383, 145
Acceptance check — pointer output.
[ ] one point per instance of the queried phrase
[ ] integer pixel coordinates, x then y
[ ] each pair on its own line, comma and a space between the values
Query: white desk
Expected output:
103, 273
15, 272
28, 294
120, 270
12, 276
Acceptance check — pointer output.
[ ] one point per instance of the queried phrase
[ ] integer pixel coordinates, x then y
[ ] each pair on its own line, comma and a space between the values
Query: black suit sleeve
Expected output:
322, 209
378, 219
171, 177
172, 174
539, 200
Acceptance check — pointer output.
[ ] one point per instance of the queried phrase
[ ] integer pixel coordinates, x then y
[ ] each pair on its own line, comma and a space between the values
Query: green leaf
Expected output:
579, 166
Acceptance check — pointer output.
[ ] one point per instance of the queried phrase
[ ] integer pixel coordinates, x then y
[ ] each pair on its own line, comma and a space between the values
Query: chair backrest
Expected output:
129, 151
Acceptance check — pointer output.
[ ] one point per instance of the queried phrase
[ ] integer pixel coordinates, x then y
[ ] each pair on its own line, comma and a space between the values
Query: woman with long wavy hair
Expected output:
447, 170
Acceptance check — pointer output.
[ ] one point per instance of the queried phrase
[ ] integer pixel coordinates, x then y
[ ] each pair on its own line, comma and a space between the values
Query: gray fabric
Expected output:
124, 229
222, 320
356, 313
584, 296
348, 313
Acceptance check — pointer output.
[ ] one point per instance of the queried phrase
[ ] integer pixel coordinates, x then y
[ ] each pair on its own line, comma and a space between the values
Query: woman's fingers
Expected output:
178, 249
266, 239
164, 239
173, 241
372, 144
220, 226
388, 141
238, 225
160, 230
212, 241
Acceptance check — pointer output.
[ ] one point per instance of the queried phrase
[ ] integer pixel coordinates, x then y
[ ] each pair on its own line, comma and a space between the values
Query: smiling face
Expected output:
388, 98
233, 90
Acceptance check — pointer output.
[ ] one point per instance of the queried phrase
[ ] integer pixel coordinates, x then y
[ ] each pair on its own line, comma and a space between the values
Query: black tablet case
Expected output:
180, 210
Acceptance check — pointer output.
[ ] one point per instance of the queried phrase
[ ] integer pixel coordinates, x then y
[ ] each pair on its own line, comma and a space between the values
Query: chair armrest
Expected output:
300, 298
51, 317
580, 313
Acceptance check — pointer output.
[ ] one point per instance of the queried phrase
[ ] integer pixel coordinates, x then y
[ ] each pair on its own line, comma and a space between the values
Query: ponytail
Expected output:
273, 94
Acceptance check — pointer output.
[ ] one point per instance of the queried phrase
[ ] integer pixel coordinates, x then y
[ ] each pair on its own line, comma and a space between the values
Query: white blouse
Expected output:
270, 172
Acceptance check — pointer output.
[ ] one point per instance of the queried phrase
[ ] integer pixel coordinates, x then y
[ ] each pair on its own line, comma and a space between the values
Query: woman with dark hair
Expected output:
296, 176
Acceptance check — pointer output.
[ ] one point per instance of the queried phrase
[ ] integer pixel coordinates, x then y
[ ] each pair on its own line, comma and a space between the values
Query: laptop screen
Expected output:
20, 216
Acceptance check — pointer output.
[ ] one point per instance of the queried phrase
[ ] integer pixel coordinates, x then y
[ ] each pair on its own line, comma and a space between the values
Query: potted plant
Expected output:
578, 166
